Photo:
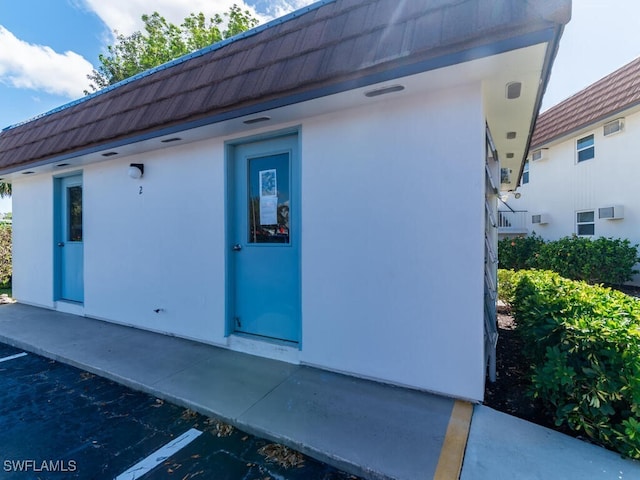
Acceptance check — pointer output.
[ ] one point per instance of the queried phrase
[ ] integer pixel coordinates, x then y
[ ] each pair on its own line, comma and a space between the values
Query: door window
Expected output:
74, 214
269, 199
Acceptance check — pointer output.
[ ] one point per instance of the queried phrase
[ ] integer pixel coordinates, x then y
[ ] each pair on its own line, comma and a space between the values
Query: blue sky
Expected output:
47, 47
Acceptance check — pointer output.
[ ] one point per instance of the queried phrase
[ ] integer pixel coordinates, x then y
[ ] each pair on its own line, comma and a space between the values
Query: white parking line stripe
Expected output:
160, 455
11, 357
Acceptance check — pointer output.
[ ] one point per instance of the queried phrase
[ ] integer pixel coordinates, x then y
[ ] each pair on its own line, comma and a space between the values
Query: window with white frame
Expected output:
525, 173
585, 148
585, 222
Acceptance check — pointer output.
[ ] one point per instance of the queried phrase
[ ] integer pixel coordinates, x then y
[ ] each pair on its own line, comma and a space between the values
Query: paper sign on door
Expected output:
268, 197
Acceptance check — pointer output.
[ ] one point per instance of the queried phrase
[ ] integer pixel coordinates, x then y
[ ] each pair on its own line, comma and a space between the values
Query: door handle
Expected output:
237, 247
61, 244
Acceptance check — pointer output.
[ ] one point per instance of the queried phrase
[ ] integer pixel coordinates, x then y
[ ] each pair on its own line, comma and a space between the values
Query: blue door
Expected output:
69, 239
265, 239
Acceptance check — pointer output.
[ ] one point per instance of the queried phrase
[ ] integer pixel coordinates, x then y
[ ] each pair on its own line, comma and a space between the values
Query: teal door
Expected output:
265, 239
69, 239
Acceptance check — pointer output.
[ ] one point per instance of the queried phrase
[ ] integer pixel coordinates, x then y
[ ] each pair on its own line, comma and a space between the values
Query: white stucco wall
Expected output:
162, 249
393, 210
560, 187
392, 241
32, 249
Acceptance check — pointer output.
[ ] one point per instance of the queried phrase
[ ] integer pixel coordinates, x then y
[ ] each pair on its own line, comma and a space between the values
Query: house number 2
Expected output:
140, 191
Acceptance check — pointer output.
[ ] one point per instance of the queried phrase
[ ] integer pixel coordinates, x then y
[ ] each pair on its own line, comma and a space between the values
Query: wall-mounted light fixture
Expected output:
136, 170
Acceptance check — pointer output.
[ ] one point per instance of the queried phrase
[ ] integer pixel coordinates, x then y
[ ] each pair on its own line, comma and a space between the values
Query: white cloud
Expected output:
38, 67
124, 15
278, 8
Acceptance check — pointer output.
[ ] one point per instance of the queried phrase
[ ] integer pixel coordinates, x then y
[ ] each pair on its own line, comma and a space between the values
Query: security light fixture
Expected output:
384, 90
136, 170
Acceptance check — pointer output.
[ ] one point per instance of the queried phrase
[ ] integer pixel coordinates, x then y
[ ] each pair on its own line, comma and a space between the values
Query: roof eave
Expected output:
552, 51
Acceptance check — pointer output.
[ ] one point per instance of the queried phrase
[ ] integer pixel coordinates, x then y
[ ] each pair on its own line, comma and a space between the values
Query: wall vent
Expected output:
614, 212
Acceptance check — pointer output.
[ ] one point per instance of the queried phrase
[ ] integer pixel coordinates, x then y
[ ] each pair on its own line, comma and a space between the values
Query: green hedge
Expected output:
507, 280
583, 342
5, 255
602, 260
518, 253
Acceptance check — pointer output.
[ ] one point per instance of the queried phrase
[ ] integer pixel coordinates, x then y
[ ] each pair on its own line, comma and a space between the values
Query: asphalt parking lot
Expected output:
59, 422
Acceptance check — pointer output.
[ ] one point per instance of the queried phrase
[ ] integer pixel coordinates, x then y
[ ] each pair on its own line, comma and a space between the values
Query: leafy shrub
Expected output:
603, 260
515, 253
507, 280
583, 342
5, 255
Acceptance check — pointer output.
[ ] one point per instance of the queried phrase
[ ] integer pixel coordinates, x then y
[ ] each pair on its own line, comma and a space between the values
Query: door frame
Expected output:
58, 234
230, 172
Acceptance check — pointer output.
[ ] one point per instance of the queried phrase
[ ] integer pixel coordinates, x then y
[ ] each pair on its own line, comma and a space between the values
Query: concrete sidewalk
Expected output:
365, 428
503, 447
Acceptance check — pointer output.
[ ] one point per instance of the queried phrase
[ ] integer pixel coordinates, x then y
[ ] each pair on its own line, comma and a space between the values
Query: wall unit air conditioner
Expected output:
540, 154
540, 218
614, 212
612, 127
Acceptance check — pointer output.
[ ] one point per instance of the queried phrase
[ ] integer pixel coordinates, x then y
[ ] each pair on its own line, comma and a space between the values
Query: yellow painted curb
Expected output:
455, 442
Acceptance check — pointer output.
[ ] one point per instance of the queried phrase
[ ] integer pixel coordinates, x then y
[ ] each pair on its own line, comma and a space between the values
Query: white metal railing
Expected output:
512, 221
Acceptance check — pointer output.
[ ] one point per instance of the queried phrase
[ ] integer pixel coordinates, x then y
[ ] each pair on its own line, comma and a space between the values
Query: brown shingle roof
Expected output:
334, 46
609, 95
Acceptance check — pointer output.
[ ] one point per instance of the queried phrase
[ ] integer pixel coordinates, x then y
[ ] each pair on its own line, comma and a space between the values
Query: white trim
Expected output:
578, 223
261, 348
583, 149
69, 307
